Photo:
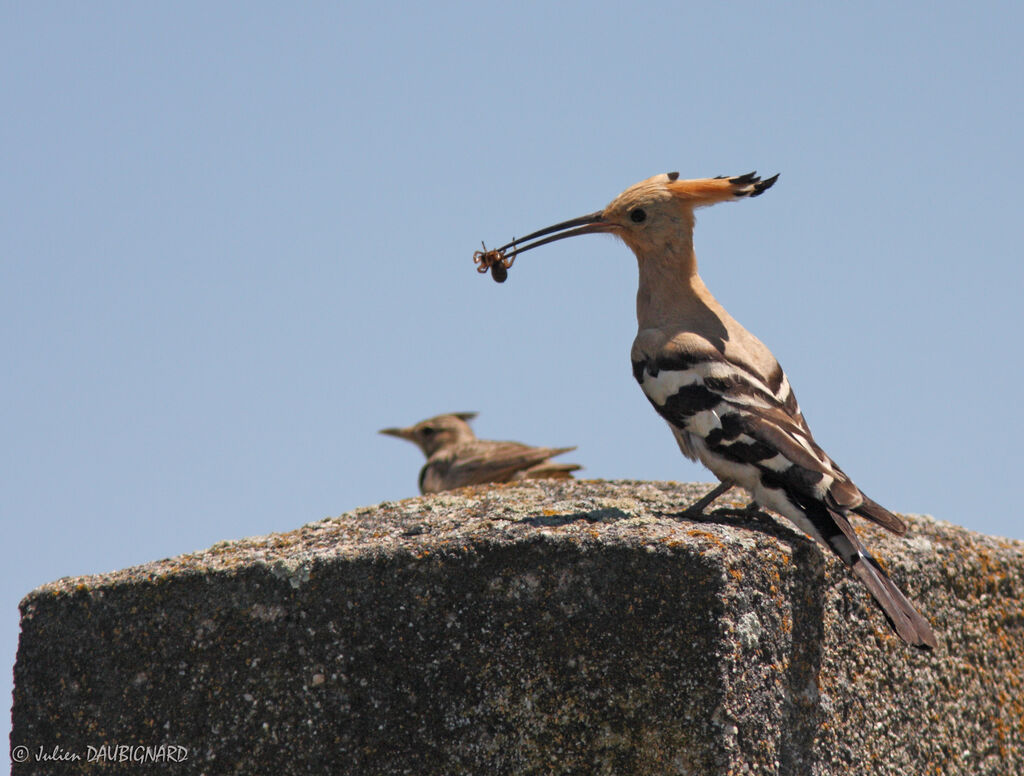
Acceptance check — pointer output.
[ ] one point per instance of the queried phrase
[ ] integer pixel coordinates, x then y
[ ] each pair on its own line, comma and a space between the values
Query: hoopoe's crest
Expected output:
724, 396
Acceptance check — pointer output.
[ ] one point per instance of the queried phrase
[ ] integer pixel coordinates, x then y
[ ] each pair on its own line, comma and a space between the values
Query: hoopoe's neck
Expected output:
671, 292
672, 297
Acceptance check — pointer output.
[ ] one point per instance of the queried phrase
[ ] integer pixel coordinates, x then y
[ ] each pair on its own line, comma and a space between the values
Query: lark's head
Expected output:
651, 215
435, 433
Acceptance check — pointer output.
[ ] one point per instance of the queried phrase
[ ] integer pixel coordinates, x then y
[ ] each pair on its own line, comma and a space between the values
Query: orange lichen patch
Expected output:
736, 574
706, 535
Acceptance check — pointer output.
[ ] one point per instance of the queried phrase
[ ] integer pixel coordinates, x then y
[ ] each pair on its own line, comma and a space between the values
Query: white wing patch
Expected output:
784, 389
743, 474
704, 422
806, 445
726, 371
659, 388
667, 383
777, 463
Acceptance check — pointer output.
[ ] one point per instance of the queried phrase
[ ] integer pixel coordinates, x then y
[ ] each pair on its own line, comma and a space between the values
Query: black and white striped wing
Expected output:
749, 430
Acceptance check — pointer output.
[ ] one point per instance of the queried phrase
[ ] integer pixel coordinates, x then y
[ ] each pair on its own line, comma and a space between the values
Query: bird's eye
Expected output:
427, 431
638, 216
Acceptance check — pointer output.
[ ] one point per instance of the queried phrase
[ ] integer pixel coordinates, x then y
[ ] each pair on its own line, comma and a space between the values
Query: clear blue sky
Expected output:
236, 239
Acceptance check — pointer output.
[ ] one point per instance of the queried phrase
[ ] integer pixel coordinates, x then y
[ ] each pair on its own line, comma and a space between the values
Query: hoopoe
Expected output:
455, 457
726, 399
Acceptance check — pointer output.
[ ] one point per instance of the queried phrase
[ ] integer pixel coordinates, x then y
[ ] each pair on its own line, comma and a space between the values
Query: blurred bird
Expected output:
726, 399
455, 457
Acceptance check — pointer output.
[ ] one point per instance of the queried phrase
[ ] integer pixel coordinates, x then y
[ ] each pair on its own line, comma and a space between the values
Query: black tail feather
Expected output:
904, 618
876, 513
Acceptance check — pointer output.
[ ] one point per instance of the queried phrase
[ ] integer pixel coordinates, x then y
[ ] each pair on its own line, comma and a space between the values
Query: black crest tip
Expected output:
740, 180
762, 186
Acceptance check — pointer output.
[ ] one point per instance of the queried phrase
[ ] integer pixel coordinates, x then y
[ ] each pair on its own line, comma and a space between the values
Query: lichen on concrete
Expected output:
541, 627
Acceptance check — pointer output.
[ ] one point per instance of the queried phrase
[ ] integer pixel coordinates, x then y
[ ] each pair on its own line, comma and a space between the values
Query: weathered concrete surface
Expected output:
541, 628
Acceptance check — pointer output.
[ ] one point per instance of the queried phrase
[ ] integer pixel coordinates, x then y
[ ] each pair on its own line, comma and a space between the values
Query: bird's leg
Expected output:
698, 506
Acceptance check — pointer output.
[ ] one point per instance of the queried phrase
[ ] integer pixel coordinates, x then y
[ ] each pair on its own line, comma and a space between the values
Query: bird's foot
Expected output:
696, 509
750, 510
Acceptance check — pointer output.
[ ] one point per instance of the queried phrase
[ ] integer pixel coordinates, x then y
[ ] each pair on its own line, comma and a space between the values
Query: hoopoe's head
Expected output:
650, 215
435, 433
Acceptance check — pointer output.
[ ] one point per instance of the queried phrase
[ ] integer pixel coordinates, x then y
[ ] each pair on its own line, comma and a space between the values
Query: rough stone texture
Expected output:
538, 628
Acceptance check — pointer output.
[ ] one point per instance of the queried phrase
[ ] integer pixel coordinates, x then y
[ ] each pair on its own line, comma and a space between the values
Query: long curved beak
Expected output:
588, 224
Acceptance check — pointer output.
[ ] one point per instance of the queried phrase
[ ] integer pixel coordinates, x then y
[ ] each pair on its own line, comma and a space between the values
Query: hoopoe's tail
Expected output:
904, 618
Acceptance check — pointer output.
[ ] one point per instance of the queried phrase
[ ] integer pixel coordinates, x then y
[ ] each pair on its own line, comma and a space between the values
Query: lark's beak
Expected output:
401, 433
590, 224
